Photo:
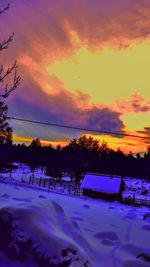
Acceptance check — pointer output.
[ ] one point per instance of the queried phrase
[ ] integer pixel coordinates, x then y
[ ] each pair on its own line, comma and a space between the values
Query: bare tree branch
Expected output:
7, 89
5, 43
9, 71
16, 80
4, 9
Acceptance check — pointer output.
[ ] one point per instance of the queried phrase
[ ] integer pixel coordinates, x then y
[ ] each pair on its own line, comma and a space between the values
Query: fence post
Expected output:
40, 181
49, 184
33, 180
54, 185
69, 189
30, 180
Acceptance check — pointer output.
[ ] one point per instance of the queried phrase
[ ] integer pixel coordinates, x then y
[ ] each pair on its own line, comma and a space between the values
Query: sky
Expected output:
83, 63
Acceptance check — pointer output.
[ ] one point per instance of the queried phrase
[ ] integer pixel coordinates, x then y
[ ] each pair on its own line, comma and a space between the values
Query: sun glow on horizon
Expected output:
125, 144
27, 140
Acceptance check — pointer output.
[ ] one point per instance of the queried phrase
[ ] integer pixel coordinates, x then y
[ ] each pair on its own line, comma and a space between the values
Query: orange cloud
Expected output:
77, 60
136, 104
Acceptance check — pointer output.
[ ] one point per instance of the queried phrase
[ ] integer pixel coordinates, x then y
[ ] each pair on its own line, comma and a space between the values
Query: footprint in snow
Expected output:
146, 227
57, 207
41, 196
112, 225
16, 188
77, 218
5, 196
110, 235
75, 224
87, 230
77, 212
86, 206
107, 242
130, 216
22, 199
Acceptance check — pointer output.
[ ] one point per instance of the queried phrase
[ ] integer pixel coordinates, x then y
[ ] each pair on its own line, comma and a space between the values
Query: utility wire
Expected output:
78, 128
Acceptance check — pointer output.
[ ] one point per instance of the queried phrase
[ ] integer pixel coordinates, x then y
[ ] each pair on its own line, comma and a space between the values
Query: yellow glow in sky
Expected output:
125, 143
106, 75
28, 140
136, 121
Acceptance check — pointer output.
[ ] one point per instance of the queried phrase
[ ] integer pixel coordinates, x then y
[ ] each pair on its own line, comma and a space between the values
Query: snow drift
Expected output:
45, 229
40, 235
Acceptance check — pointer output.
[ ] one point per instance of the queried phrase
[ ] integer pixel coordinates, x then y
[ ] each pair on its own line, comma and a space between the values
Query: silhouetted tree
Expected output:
36, 143
83, 142
5, 129
78, 156
130, 155
138, 156
6, 73
104, 149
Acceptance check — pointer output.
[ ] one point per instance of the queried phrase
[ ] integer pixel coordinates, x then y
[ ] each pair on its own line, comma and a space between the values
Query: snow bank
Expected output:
41, 229
41, 234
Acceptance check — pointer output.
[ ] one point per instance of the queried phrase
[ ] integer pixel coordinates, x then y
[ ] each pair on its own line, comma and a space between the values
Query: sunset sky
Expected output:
83, 63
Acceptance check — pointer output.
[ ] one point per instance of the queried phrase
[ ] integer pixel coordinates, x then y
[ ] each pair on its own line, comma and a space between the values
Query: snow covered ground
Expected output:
133, 187
23, 172
42, 229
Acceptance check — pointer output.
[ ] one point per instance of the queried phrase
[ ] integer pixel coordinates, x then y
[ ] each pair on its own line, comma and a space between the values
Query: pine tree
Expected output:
5, 129
36, 143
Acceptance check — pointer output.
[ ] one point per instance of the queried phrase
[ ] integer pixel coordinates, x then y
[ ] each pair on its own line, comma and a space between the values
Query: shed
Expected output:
103, 187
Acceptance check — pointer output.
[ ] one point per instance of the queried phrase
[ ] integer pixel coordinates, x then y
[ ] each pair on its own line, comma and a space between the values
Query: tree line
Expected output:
81, 155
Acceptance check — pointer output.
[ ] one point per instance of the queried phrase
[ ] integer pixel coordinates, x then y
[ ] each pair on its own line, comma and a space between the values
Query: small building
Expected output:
103, 187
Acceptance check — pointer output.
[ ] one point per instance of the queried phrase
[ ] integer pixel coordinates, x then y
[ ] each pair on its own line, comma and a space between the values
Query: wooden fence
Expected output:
136, 202
50, 184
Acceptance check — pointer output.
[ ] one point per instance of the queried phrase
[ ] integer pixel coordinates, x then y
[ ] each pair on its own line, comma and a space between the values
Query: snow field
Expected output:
56, 230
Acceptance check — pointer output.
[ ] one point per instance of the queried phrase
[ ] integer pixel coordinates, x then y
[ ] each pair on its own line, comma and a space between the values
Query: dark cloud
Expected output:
104, 119
59, 109
147, 129
137, 104
145, 135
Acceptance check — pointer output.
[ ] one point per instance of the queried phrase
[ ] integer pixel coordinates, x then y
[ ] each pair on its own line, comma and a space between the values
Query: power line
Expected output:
78, 128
